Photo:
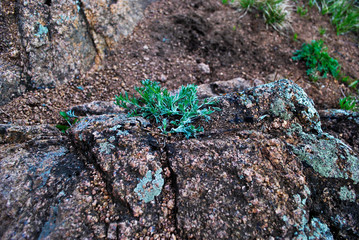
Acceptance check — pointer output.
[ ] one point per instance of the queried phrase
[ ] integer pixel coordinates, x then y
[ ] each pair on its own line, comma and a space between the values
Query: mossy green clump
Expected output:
317, 60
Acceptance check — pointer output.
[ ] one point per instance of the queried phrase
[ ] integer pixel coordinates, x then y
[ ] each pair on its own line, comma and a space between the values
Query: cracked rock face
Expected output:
263, 169
47, 43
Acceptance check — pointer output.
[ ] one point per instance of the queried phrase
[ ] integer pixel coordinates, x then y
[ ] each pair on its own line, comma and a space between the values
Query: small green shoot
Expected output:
354, 84
317, 60
70, 118
247, 4
295, 37
348, 103
322, 31
175, 112
226, 1
302, 11
311, 3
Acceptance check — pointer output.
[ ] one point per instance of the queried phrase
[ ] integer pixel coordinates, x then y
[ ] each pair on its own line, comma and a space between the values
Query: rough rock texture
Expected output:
342, 124
38, 174
262, 169
10, 53
47, 43
110, 20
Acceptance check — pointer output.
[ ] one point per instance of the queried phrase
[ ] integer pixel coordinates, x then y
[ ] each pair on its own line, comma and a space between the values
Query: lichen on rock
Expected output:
263, 168
148, 188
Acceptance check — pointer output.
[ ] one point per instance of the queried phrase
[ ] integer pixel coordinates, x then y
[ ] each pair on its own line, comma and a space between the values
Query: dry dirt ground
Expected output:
177, 38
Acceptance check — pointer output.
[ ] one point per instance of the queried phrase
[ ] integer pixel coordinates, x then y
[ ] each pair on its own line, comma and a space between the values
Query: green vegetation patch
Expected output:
344, 14
317, 60
275, 12
70, 118
174, 112
349, 103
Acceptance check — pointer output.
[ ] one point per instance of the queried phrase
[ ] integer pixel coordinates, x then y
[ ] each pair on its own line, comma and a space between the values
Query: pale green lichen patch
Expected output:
83, 124
148, 188
301, 209
339, 221
245, 100
119, 131
320, 230
290, 99
279, 109
328, 156
106, 147
347, 195
42, 30
315, 230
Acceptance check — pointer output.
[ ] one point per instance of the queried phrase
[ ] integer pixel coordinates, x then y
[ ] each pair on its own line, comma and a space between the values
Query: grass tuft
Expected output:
349, 103
302, 11
174, 112
344, 14
275, 12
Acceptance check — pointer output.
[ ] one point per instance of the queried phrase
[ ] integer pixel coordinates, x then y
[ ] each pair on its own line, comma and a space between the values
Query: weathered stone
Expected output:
222, 87
342, 124
133, 167
47, 43
241, 178
111, 20
263, 168
96, 108
38, 175
11, 53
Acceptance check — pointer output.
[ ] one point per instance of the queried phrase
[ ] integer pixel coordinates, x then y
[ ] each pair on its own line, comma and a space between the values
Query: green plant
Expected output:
247, 4
348, 103
322, 31
175, 112
226, 1
354, 84
311, 3
317, 60
70, 118
344, 14
302, 11
295, 37
275, 12
324, 9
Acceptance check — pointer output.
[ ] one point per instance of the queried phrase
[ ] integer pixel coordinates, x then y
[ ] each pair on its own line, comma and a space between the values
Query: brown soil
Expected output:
175, 37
